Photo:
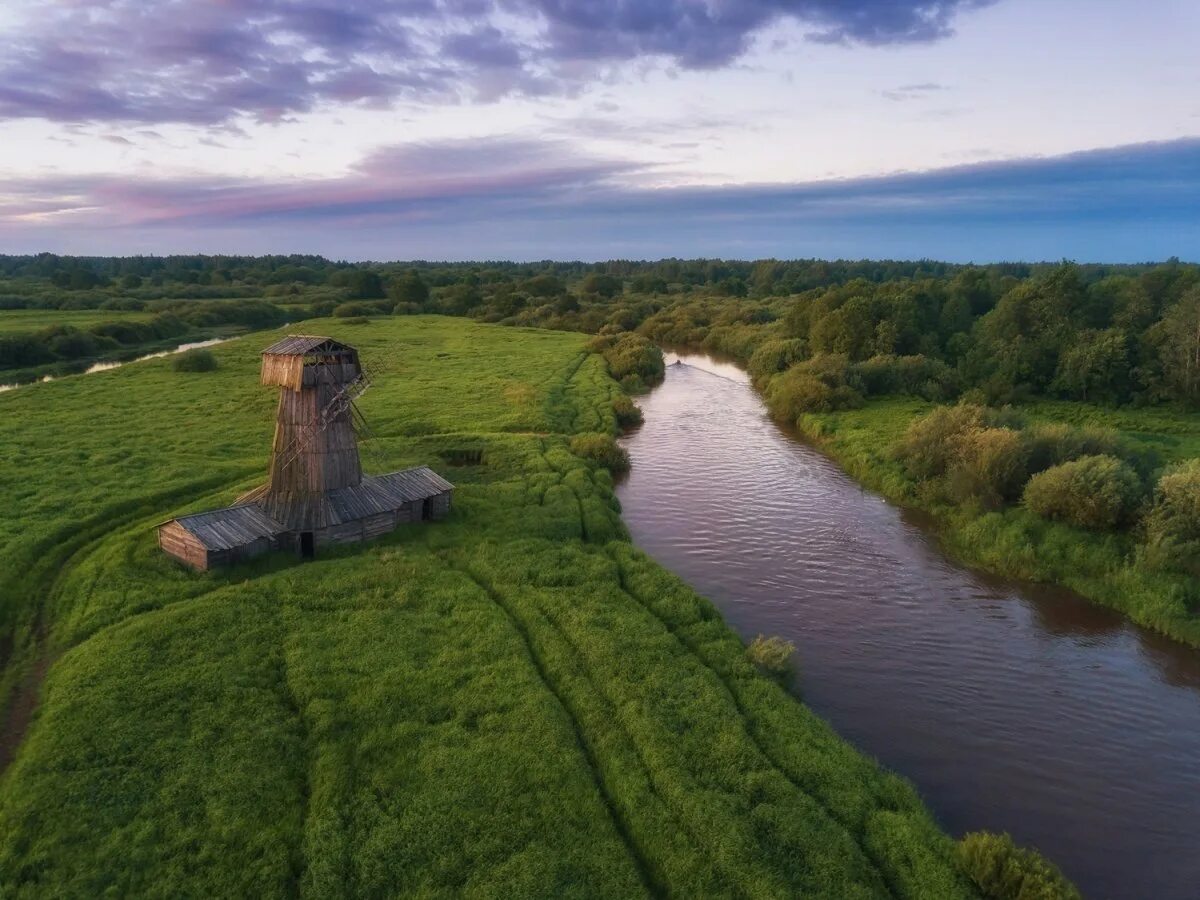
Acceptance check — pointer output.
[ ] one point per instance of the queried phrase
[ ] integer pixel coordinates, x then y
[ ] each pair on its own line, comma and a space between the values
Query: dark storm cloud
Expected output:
536, 200
207, 61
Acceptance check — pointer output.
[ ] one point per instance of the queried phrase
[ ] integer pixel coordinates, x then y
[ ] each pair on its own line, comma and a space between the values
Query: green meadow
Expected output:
28, 321
512, 703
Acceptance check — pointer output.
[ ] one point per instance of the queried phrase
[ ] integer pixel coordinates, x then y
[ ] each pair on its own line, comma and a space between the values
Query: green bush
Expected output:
1003, 871
627, 412
601, 450
773, 357
990, 465
632, 360
773, 655
819, 384
1092, 492
918, 375
198, 360
1173, 522
353, 310
1054, 443
931, 443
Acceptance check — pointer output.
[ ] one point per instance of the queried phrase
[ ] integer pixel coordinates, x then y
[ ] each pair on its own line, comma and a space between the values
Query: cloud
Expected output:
207, 62
913, 91
397, 180
525, 199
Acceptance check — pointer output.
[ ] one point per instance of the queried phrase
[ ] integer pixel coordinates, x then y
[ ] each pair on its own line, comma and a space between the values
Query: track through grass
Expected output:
514, 702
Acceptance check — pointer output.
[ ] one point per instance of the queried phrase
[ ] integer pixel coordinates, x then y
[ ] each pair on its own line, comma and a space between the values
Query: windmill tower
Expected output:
315, 447
315, 493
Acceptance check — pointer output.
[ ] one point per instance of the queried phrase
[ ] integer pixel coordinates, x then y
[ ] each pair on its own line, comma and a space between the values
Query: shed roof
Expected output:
234, 526
263, 514
302, 344
373, 495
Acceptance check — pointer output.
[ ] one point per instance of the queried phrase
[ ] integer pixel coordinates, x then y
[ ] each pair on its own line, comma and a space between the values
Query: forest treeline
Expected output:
1000, 333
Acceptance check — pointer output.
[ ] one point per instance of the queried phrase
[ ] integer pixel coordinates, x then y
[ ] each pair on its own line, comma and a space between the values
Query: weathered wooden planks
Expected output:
315, 484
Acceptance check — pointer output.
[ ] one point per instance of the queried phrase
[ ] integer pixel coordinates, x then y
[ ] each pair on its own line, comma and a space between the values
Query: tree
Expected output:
459, 299
1095, 365
603, 285
1179, 350
408, 288
848, 330
543, 286
763, 277
363, 284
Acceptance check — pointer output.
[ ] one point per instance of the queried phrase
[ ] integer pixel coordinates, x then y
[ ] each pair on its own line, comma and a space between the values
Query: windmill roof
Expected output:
301, 344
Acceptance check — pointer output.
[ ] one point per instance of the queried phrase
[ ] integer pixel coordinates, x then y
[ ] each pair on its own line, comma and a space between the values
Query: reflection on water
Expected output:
116, 364
1011, 707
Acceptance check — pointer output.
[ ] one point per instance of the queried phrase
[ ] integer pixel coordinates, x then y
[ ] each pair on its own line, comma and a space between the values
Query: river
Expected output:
105, 365
1011, 707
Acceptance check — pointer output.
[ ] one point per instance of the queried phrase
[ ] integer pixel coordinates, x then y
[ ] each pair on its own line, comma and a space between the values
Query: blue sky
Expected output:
529, 129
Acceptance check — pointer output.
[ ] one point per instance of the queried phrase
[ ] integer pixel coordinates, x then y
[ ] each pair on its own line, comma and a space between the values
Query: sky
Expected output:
964, 130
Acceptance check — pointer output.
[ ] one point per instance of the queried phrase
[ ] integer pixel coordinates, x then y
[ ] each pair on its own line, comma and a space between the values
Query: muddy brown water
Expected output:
1011, 707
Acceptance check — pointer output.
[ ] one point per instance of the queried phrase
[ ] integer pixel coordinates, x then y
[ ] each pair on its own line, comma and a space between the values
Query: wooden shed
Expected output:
316, 493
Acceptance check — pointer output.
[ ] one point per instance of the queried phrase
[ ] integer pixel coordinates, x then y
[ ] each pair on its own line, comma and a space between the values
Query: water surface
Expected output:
1011, 707
105, 365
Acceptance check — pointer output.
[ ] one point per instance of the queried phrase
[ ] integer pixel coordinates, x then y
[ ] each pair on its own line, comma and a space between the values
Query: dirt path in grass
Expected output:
19, 713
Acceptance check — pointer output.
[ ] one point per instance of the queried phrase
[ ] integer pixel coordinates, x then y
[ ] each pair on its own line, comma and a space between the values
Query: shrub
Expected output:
631, 359
601, 450
1051, 444
197, 360
74, 344
773, 655
1091, 492
773, 357
816, 385
627, 413
930, 444
352, 310
1173, 522
990, 465
918, 375
23, 350
1003, 871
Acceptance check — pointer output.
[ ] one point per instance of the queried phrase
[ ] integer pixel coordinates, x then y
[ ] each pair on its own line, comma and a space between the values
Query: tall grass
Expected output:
513, 702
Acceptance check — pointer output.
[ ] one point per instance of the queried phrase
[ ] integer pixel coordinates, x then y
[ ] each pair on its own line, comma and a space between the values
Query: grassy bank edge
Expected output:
1013, 542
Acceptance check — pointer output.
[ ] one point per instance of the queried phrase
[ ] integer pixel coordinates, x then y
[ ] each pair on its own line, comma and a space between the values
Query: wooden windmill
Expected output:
315, 491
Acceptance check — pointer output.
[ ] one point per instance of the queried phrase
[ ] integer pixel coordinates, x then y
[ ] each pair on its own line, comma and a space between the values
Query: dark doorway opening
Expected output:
426, 510
307, 550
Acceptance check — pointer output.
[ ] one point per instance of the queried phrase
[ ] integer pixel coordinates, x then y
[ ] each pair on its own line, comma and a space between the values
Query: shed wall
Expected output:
176, 541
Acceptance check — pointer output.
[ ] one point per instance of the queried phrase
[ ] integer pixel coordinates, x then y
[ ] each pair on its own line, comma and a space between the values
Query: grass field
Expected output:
512, 703
1015, 542
27, 321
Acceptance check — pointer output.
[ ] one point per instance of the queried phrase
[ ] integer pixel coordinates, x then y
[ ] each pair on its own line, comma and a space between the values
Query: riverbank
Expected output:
512, 702
986, 692
1014, 542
